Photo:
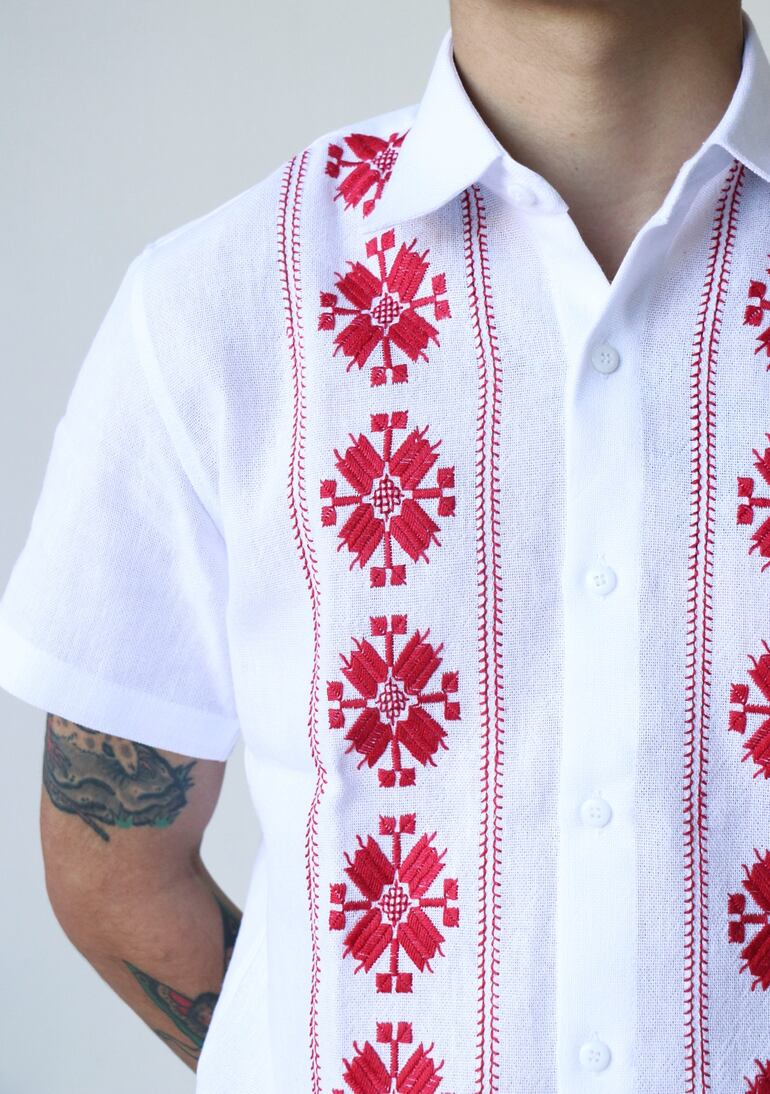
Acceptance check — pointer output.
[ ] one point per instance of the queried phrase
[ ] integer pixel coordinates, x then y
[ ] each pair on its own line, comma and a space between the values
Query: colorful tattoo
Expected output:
191, 1016
111, 780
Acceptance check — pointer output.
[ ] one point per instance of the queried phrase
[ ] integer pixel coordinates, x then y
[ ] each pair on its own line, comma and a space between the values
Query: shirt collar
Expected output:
449, 146
744, 130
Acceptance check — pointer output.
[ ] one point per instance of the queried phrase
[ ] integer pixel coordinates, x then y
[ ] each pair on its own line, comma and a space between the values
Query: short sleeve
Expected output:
114, 615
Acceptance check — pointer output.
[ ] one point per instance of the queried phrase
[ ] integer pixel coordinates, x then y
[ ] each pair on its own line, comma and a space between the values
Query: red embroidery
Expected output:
754, 316
700, 626
374, 162
758, 744
387, 498
756, 952
369, 1074
385, 309
489, 621
392, 700
289, 219
395, 905
760, 1084
761, 537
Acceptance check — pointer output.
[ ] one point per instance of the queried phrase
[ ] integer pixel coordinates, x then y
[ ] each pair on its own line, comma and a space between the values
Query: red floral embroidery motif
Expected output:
760, 1084
757, 746
371, 167
756, 952
393, 699
385, 309
387, 511
368, 1073
755, 316
396, 908
751, 501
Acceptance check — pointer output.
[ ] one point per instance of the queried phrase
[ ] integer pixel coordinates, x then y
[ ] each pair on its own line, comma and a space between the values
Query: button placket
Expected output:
596, 884
596, 897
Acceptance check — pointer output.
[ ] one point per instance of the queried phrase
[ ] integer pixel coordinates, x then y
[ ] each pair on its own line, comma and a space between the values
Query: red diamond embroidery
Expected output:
368, 1073
757, 746
755, 315
751, 501
388, 516
760, 1084
385, 309
393, 694
397, 912
756, 952
371, 167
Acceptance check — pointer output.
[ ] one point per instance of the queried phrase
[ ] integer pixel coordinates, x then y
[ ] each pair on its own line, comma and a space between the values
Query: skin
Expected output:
604, 98
121, 828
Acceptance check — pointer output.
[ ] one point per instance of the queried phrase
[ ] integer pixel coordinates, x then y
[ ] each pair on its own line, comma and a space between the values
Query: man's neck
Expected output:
605, 100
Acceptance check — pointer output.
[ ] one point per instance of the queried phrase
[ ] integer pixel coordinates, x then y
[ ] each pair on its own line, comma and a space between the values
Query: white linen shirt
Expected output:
373, 466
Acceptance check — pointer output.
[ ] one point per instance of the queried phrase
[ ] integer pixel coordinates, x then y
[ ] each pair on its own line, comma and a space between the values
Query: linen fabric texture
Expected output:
373, 467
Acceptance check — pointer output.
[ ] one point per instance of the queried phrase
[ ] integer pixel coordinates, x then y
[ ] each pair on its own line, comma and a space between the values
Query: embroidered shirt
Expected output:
373, 466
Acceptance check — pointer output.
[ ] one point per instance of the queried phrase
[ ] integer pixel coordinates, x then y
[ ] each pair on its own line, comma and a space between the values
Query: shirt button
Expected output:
605, 358
521, 194
601, 579
595, 812
594, 1055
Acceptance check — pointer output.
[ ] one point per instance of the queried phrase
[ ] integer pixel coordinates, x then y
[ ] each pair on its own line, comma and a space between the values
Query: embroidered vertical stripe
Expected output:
289, 258
699, 633
489, 641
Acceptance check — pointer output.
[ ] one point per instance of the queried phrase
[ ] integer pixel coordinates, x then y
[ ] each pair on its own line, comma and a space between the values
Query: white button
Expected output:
521, 194
594, 1055
595, 812
601, 579
605, 358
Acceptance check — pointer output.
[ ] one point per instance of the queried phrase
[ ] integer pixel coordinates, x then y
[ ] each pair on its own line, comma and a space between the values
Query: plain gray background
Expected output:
118, 123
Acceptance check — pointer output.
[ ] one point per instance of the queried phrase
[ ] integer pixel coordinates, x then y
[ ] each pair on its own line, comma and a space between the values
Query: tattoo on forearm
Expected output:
191, 1016
107, 780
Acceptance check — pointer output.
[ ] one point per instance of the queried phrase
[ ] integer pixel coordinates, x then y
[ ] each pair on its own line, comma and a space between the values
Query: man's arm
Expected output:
121, 827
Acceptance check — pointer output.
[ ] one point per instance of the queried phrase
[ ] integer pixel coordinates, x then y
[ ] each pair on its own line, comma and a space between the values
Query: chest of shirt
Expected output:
427, 402
488, 569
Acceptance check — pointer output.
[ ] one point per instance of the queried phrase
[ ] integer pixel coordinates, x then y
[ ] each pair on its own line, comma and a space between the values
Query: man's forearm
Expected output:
164, 949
